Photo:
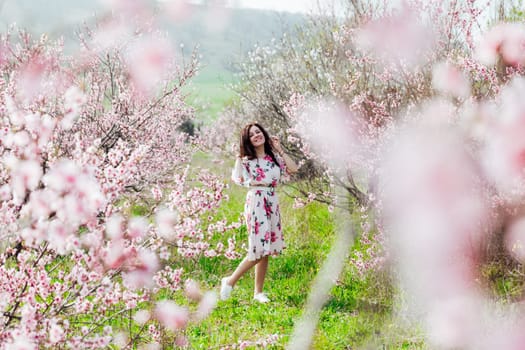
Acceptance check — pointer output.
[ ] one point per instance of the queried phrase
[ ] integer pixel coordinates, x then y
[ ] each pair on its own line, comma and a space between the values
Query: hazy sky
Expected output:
284, 5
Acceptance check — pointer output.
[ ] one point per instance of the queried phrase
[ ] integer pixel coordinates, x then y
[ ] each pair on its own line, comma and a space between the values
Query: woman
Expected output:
261, 164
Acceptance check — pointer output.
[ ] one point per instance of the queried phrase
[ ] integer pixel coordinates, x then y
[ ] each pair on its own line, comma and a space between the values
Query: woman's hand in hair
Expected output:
276, 143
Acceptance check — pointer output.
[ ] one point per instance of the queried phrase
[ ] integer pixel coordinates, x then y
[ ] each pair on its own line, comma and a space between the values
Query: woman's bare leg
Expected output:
243, 267
260, 274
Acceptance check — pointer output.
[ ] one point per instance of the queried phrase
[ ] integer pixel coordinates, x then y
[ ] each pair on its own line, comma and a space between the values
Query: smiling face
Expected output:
256, 136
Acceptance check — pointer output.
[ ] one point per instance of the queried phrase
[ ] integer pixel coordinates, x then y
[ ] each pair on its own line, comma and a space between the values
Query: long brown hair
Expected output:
246, 147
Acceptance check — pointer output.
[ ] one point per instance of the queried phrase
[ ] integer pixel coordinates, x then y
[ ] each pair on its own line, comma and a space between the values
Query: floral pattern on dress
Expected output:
261, 211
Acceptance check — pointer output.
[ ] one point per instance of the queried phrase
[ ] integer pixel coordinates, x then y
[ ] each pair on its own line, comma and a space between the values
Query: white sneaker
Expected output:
226, 289
261, 298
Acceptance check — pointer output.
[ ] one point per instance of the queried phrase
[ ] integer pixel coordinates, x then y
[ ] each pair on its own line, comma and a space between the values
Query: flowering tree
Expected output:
83, 138
417, 120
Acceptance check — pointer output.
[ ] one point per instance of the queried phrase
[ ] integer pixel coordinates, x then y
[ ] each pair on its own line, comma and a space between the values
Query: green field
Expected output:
210, 91
352, 318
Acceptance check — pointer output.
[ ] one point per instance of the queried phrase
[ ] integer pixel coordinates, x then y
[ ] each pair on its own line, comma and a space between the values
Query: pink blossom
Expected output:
137, 227
455, 322
74, 98
114, 226
111, 34
142, 316
192, 290
449, 79
31, 78
148, 61
206, 305
166, 220
515, 238
398, 38
156, 191
21, 343
333, 133
64, 176
504, 151
56, 333
171, 315
142, 269
506, 40
26, 175
116, 254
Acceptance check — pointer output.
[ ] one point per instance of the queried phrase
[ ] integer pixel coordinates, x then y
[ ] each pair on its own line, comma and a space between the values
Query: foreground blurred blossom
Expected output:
448, 79
74, 98
504, 152
166, 220
142, 268
25, 177
435, 217
171, 315
192, 290
32, 78
455, 322
114, 226
142, 316
505, 40
207, 304
148, 60
333, 132
137, 227
111, 34
21, 343
515, 239
400, 38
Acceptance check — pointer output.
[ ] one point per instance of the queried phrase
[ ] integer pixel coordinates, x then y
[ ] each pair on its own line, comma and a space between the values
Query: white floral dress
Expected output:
261, 211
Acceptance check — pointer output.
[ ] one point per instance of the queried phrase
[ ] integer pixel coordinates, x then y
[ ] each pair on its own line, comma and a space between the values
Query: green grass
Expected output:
345, 322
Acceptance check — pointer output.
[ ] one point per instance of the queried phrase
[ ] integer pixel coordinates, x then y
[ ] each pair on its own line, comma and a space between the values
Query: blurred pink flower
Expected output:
142, 316
455, 323
399, 38
114, 226
166, 220
448, 79
56, 333
32, 77
503, 156
111, 34
74, 99
137, 227
505, 40
141, 269
206, 305
25, 175
116, 254
192, 290
515, 239
171, 315
148, 60
333, 133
